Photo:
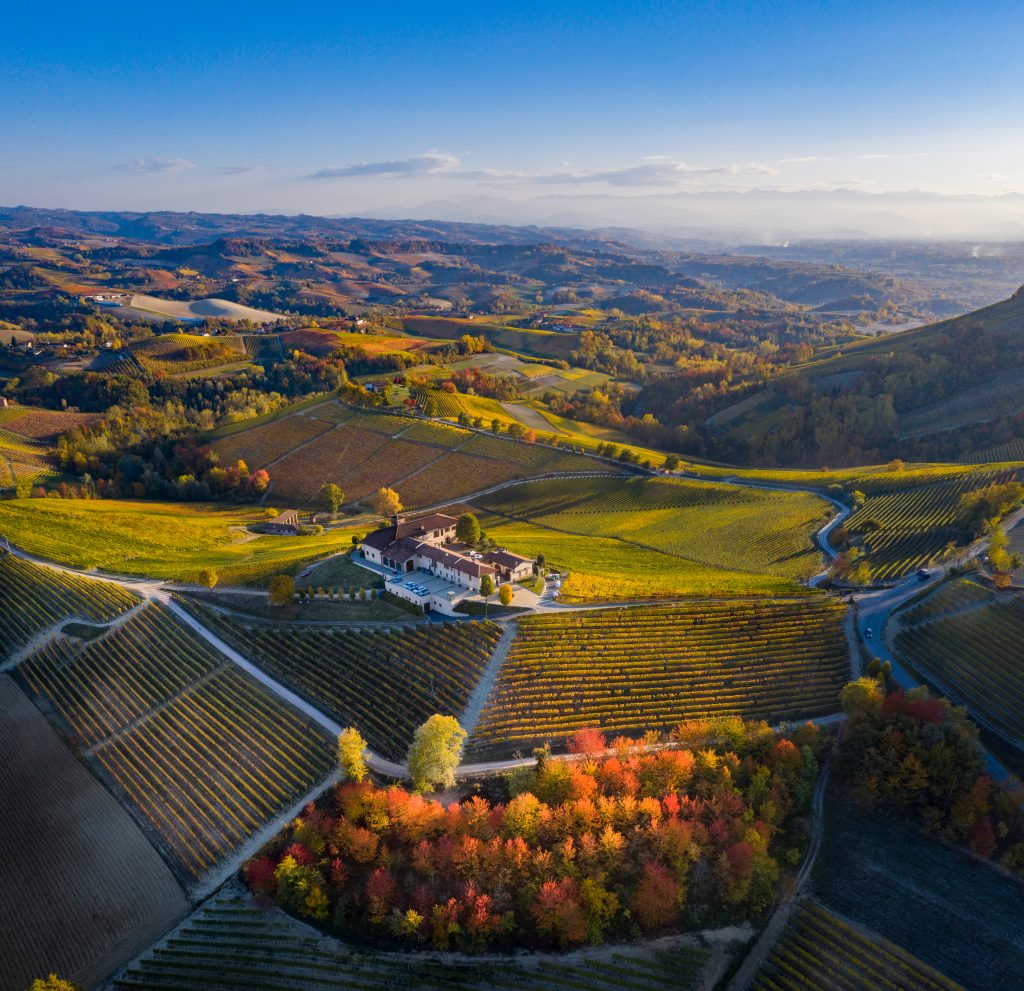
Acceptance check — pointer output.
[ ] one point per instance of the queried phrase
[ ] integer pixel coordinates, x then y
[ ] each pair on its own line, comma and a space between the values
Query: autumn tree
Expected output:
53, 983
333, 496
387, 502
467, 530
281, 590
435, 753
658, 897
208, 578
505, 594
351, 753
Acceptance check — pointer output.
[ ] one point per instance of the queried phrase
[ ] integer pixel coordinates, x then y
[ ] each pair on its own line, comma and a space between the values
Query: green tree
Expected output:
281, 590
387, 502
333, 496
208, 578
351, 750
505, 594
435, 753
671, 462
467, 530
486, 590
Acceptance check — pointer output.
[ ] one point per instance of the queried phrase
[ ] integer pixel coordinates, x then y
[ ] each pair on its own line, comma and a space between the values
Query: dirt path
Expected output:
478, 698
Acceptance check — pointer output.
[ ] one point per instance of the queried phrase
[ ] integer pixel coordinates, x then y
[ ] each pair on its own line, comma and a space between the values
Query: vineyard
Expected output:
171, 353
384, 682
720, 526
42, 424
630, 670
233, 945
1010, 451
35, 598
267, 442
908, 519
951, 911
263, 348
202, 751
948, 597
363, 451
606, 569
820, 950
84, 890
975, 654
998, 398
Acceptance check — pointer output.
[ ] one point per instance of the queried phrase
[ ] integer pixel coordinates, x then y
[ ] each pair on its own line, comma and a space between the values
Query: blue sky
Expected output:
349, 108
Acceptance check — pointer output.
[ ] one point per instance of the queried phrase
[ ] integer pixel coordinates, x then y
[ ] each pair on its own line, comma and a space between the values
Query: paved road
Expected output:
876, 607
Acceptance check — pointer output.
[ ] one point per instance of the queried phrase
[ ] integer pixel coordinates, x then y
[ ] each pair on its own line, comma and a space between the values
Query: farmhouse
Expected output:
445, 574
285, 524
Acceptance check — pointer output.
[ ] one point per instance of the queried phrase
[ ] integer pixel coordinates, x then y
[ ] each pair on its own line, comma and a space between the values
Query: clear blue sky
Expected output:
346, 107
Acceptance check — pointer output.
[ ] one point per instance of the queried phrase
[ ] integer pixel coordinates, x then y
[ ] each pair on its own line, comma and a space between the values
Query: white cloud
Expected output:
993, 176
238, 169
802, 160
659, 171
897, 154
155, 166
429, 163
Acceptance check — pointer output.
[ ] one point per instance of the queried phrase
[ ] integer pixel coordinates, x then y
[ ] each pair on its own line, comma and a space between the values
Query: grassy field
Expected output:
719, 526
172, 541
818, 949
954, 913
631, 670
84, 891
232, 944
538, 343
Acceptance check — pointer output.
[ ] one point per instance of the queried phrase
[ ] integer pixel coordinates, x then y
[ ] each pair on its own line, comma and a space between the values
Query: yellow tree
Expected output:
387, 501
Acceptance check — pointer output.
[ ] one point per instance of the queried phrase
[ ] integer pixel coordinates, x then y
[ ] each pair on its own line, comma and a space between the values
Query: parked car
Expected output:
923, 575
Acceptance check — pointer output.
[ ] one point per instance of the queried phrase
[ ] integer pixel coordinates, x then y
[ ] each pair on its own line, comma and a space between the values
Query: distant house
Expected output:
285, 524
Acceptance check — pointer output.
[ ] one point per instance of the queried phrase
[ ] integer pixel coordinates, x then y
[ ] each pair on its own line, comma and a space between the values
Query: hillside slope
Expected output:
945, 391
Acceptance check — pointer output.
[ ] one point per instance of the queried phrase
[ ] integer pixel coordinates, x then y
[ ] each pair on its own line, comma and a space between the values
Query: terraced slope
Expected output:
630, 670
34, 598
202, 751
230, 945
820, 950
384, 682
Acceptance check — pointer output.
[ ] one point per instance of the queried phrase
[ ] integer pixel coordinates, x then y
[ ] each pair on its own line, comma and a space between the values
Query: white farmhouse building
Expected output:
442, 575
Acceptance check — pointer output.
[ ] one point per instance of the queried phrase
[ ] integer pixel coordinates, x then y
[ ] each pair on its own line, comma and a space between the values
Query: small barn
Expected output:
285, 524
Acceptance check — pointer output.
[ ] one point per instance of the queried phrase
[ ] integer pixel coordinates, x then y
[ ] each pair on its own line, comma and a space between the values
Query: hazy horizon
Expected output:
777, 122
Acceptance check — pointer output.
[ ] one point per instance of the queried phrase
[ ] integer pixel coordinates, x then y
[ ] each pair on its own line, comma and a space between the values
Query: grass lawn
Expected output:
173, 541
340, 569
602, 569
